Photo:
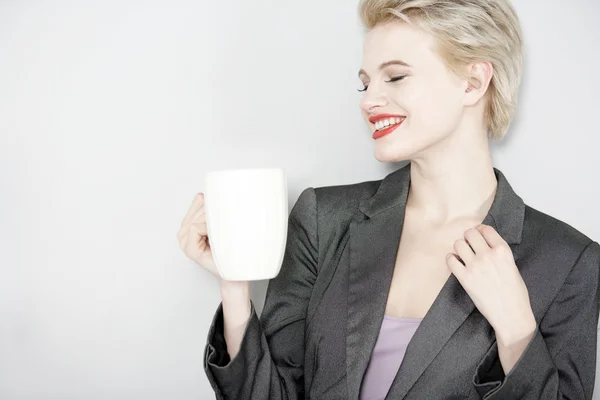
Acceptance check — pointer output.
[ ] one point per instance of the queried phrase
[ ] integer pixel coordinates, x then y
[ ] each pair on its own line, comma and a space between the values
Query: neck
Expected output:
453, 180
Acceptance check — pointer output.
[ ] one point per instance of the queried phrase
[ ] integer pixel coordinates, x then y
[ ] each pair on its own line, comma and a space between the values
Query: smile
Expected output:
385, 124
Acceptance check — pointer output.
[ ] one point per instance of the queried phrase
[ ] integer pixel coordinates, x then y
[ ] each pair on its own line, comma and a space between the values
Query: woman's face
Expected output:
407, 80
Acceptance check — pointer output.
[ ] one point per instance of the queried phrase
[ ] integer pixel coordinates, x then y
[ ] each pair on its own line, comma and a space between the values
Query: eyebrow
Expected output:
386, 64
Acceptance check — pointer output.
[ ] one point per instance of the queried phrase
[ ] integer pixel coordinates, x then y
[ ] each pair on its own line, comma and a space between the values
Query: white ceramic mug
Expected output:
247, 220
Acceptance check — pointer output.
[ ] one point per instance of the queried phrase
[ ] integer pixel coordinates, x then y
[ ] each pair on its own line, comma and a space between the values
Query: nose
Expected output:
372, 100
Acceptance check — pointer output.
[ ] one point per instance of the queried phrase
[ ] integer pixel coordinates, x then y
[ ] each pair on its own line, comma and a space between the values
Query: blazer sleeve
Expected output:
270, 361
560, 360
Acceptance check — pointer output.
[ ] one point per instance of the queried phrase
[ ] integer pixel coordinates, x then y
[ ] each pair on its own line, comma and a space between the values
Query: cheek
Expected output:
433, 106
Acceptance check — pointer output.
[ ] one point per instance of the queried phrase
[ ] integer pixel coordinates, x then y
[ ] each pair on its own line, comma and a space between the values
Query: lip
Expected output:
375, 118
377, 134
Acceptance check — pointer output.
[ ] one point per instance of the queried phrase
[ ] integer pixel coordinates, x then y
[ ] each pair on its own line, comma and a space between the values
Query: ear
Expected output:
479, 78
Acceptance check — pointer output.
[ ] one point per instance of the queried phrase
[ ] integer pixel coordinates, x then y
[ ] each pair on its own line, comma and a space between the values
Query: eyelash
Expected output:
394, 79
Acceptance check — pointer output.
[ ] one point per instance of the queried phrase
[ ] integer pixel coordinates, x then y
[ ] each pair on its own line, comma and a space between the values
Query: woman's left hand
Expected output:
492, 280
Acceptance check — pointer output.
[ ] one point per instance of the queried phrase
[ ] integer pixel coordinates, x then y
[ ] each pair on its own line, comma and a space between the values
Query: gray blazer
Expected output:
322, 313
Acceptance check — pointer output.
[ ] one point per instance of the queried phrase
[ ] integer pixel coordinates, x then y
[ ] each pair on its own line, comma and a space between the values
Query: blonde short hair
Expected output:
466, 31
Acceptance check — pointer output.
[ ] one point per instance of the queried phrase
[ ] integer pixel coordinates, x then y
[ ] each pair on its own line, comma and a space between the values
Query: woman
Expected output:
436, 282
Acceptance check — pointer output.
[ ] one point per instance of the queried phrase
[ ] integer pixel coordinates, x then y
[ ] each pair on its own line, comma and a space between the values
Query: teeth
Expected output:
384, 123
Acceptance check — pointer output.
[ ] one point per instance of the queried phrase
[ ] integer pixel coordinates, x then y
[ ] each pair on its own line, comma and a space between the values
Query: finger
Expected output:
491, 236
457, 268
195, 231
198, 217
199, 227
464, 251
196, 204
476, 240
196, 239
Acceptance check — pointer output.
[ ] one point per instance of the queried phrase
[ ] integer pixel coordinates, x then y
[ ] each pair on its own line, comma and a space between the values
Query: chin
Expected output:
407, 147
395, 148
389, 154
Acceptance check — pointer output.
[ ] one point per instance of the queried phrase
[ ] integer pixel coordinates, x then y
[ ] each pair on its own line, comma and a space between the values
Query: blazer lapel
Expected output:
448, 311
374, 245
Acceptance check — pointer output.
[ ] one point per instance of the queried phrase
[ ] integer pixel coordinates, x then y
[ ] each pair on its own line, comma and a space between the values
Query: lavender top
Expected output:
394, 336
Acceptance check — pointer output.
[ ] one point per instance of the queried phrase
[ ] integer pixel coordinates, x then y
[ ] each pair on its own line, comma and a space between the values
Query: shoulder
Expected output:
552, 232
331, 208
344, 199
548, 238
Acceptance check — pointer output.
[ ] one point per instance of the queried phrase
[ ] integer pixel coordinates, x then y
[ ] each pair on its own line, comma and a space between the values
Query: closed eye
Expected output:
393, 79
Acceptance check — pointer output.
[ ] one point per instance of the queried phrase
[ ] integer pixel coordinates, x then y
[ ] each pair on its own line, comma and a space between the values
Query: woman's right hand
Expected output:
193, 240
193, 236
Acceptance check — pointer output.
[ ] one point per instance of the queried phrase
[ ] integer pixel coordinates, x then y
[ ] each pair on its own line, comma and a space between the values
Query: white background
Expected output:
112, 111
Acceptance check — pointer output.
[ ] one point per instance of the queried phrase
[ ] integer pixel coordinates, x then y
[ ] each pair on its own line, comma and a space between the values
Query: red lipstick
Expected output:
379, 117
376, 118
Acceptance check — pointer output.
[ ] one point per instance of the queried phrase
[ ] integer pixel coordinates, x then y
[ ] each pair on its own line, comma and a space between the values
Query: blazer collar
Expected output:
506, 212
373, 247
